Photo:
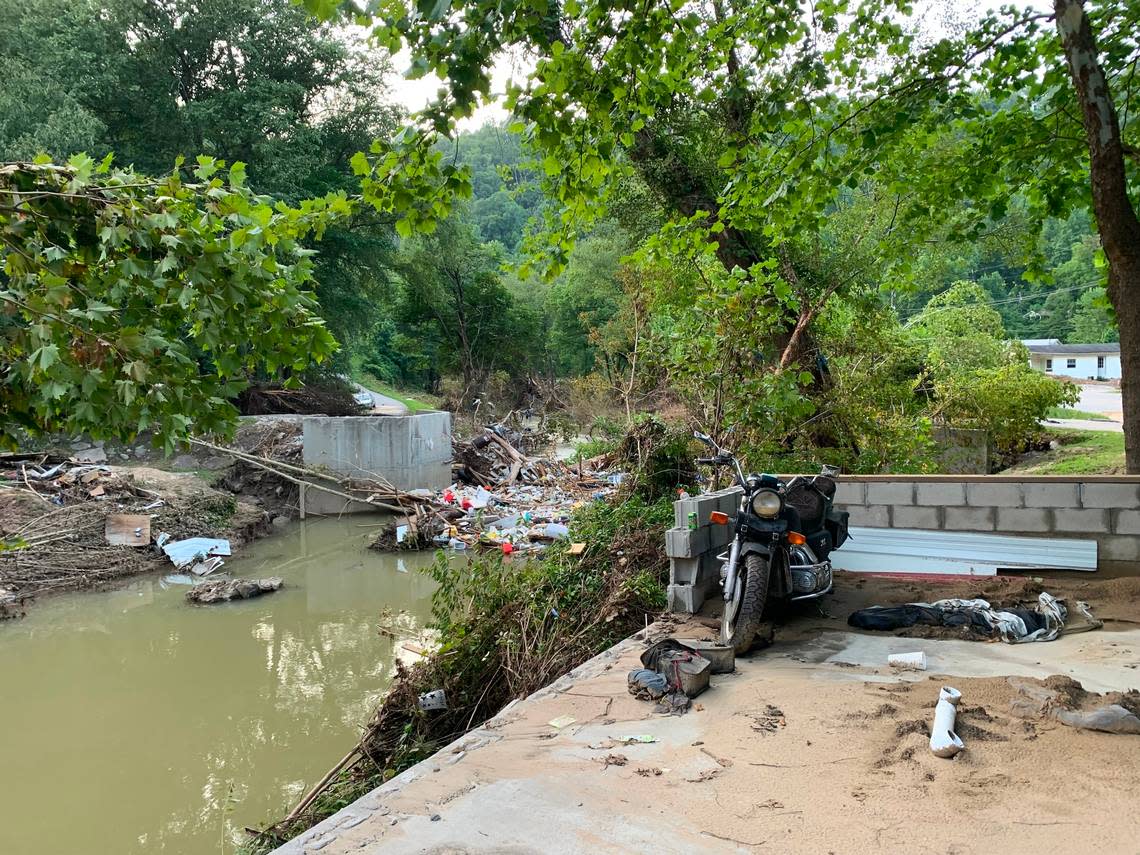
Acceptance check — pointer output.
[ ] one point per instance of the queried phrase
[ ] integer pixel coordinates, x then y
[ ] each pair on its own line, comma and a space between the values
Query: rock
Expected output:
224, 590
91, 455
184, 461
280, 521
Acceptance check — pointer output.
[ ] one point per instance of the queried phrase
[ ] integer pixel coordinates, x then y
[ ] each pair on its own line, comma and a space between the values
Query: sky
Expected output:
937, 16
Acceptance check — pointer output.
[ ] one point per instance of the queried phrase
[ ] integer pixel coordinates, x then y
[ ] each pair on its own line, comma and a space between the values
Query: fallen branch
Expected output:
283, 470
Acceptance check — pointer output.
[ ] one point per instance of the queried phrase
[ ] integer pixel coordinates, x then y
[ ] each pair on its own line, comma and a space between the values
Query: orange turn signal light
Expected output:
717, 518
796, 539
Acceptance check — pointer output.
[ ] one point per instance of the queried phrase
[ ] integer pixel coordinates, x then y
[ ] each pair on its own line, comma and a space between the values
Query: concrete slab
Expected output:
813, 745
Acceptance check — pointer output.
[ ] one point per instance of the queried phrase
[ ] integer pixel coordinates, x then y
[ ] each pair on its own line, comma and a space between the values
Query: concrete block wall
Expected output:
693, 565
1103, 507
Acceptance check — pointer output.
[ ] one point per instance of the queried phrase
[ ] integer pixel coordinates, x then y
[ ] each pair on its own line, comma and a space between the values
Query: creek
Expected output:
134, 722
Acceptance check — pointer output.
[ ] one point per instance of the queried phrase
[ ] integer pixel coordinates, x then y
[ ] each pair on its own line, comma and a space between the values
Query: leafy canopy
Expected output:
130, 303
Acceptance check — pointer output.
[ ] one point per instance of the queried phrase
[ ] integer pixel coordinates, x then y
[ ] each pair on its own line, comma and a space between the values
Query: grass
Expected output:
1066, 413
1084, 452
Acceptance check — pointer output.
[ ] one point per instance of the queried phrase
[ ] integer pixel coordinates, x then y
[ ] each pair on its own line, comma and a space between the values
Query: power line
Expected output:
1005, 301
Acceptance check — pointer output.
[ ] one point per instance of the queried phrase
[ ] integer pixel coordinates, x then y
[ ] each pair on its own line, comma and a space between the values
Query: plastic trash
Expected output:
556, 530
433, 700
908, 661
457, 544
944, 742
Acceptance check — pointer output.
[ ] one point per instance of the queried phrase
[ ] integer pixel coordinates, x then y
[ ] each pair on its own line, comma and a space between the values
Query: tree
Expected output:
254, 81
975, 377
129, 303
453, 294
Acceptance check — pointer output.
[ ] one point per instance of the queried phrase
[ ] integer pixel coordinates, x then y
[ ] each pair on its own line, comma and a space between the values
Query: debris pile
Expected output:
224, 590
1044, 621
502, 499
67, 525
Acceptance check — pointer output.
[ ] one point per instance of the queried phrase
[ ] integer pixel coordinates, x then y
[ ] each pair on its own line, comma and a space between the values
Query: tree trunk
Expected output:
1116, 218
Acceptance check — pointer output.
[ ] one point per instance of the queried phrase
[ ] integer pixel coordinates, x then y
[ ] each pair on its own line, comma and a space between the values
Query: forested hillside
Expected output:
695, 241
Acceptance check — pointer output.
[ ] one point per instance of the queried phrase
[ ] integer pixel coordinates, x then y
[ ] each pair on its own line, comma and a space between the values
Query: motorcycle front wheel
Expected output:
741, 619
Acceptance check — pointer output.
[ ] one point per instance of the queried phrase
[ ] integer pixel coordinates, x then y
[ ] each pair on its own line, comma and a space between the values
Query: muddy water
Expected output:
131, 722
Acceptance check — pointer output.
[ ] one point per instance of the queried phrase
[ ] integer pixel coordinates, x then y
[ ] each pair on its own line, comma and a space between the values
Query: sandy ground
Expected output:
812, 745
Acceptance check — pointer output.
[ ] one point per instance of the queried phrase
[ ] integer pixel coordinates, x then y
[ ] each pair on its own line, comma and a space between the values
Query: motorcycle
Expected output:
784, 533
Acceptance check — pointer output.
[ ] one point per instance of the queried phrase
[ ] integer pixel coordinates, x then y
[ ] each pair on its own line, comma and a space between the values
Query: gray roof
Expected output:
1072, 349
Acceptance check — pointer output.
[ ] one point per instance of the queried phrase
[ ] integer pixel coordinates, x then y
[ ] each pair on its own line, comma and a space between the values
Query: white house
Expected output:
1079, 361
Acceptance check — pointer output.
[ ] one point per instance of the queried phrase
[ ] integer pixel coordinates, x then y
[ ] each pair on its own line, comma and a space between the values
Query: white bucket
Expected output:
908, 661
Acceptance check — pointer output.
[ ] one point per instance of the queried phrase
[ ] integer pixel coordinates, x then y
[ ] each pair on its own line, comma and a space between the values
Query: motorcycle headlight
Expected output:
767, 504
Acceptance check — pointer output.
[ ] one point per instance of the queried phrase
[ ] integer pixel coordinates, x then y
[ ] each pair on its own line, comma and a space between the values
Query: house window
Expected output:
1048, 364
1070, 363
1100, 362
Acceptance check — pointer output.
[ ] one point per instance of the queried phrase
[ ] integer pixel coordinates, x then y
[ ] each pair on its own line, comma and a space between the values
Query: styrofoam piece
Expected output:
908, 661
944, 742
902, 550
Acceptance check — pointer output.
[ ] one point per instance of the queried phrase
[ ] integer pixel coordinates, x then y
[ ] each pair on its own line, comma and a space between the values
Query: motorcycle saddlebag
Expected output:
836, 524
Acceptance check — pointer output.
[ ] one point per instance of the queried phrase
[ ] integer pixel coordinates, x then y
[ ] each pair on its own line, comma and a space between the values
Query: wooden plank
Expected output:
127, 529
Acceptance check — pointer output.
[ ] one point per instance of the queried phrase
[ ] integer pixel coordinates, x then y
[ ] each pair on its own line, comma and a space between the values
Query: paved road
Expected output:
382, 405
1085, 424
1100, 398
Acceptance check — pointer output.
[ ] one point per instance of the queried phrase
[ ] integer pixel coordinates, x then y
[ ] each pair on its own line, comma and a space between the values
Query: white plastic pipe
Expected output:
908, 661
944, 742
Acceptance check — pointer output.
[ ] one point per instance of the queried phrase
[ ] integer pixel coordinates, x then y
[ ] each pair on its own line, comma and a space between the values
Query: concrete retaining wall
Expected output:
1104, 507
411, 452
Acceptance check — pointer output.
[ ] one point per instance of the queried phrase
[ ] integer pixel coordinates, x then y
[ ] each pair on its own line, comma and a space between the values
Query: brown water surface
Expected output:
132, 722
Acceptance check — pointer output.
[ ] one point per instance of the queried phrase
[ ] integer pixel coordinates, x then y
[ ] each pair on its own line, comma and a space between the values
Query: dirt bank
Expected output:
55, 529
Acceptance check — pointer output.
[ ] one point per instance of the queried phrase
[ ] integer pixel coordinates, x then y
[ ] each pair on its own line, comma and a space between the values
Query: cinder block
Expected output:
686, 543
1062, 495
1126, 522
850, 493
1110, 495
1118, 548
1093, 520
710, 569
940, 494
907, 517
890, 493
719, 536
686, 599
872, 516
729, 501
968, 519
681, 510
684, 571
994, 495
1024, 519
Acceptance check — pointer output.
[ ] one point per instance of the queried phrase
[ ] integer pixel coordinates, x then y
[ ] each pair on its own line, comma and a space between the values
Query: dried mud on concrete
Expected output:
813, 745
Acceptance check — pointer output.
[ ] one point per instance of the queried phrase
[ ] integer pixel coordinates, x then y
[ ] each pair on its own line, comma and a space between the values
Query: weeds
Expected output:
508, 629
